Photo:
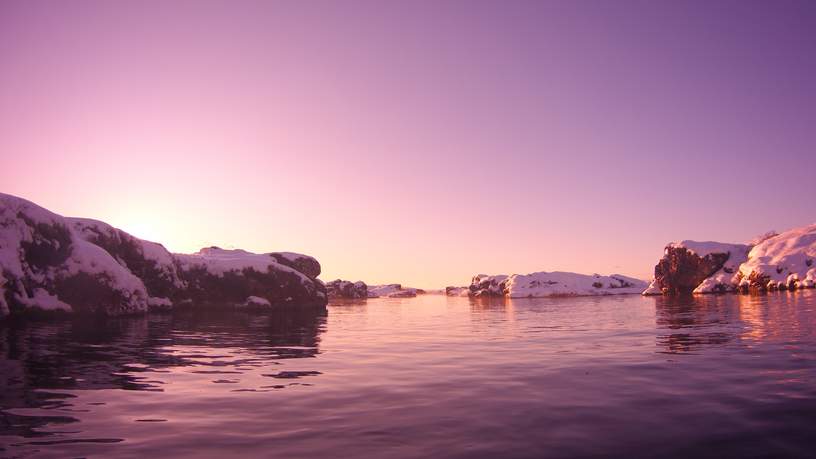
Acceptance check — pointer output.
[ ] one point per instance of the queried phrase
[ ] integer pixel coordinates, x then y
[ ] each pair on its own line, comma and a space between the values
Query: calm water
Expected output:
431, 376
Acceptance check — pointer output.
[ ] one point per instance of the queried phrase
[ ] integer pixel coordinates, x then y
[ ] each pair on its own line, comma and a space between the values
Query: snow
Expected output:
390, 291
786, 260
292, 256
653, 289
218, 261
88, 228
704, 248
792, 252
84, 257
257, 301
41, 299
558, 283
725, 279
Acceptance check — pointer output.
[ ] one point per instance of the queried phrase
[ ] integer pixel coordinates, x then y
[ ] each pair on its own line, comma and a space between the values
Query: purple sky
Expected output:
416, 142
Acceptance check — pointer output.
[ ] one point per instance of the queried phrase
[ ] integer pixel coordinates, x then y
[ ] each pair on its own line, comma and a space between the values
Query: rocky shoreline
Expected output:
53, 263
50, 263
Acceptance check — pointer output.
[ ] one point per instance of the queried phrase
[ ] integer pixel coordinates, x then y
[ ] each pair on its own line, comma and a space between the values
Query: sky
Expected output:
420, 142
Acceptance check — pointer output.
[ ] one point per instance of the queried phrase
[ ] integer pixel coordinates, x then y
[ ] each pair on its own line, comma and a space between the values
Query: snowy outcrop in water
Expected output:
776, 261
547, 284
220, 276
346, 289
49, 262
392, 291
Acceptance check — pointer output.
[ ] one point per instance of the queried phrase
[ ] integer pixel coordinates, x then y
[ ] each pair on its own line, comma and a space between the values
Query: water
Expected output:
432, 376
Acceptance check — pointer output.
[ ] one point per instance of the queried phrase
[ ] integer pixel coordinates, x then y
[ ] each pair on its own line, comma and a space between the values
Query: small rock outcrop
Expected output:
53, 263
346, 289
773, 262
392, 291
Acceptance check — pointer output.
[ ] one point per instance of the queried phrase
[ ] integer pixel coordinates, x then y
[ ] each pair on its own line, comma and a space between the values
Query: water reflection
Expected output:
687, 324
43, 364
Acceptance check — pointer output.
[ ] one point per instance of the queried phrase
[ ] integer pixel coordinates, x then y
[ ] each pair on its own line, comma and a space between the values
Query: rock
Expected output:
776, 262
484, 285
457, 291
256, 302
216, 276
49, 262
391, 291
549, 284
687, 264
149, 261
785, 259
346, 289
303, 263
46, 265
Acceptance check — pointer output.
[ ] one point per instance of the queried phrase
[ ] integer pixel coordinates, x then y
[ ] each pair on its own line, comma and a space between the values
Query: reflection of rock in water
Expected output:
690, 323
37, 359
693, 322
489, 303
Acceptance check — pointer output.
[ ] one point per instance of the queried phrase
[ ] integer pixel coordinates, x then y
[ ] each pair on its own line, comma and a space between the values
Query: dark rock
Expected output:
346, 289
483, 285
681, 270
303, 263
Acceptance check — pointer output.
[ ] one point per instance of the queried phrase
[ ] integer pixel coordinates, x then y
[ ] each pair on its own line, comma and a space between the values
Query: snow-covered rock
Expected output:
346, 289
547, 284
149, 261
486, 285
457, 291
50, 262
392, 291
45, 264
303, 263
772, 262
220, 276
788, 259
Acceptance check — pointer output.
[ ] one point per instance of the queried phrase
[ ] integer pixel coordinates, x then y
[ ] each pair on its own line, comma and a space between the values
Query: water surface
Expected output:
431, 376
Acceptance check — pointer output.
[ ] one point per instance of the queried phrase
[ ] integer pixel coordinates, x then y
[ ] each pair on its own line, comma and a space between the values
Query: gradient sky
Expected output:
416, 142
